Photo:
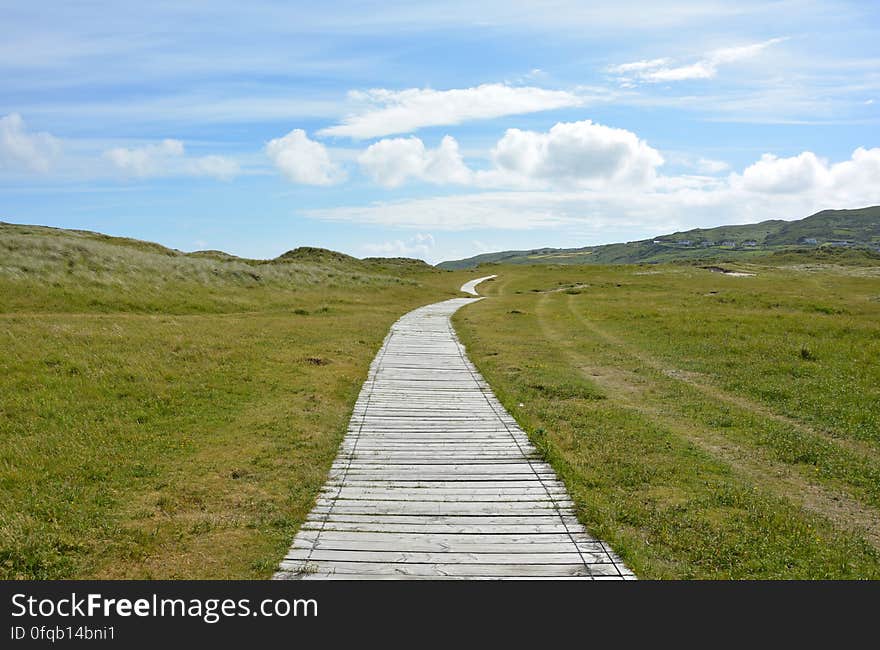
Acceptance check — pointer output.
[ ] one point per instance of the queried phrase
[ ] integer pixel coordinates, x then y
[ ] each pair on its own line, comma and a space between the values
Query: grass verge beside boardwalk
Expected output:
708, 426
174, 416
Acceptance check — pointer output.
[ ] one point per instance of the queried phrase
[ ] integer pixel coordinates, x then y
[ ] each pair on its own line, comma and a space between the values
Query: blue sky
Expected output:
435, 130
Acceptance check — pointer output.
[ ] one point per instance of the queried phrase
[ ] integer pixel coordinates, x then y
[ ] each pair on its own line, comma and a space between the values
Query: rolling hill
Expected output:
826, 232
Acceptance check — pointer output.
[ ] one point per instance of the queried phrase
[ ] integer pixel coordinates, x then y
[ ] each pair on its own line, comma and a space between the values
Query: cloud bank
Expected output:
772, 187
168, 158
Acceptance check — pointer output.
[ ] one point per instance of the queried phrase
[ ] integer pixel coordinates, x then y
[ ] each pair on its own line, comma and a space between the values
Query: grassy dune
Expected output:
165, 415
707, 425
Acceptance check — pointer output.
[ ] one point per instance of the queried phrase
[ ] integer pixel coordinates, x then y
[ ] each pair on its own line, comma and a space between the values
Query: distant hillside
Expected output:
80, 240
96, 271
836, 229
323, 255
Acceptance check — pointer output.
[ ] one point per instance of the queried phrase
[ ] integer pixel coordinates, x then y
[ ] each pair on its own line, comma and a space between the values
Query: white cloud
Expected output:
391, 162
23, 149
662, 70
386, 112
420, 246
850, 182
577, 153
742, 52
218, 167
639, 66
302, 160
784, 175
149, 160
698, 70
168, 158
570, 154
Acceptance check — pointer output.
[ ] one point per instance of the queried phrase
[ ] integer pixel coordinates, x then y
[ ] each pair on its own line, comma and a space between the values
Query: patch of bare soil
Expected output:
730, 272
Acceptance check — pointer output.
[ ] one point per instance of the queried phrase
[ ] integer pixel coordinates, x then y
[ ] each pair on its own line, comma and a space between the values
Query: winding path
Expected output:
436, 480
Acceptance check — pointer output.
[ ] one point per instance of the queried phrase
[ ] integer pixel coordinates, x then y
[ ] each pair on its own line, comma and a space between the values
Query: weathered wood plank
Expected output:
421, 557
428, 546
307, 569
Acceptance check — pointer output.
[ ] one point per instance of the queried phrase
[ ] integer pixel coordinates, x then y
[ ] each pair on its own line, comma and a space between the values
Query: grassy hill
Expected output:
829, 229
173, 415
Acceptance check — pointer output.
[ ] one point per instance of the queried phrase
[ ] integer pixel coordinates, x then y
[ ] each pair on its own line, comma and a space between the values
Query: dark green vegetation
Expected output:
165, 415
850, 235
707, 425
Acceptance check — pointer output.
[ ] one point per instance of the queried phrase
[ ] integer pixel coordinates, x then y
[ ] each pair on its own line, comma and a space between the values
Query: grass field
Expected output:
707, 425
165, 415
173, 416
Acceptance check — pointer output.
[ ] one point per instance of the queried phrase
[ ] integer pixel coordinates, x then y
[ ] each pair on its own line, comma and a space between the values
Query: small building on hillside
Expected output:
751, 243
812, 241
729, 243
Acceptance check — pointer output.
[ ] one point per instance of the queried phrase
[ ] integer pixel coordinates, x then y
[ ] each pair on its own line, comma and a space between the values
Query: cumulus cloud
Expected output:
21, 149
303, 160
421, 246
663, 70
168, 158
391, 162
386, 112
849, 182
570, 154
784, 175
577, 153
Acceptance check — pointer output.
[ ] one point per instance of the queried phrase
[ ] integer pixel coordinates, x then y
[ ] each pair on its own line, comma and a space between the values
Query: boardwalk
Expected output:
436, 480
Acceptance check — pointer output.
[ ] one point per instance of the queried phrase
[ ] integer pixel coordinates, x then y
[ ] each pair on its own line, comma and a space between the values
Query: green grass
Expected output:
171, 415
165, 415
708, 426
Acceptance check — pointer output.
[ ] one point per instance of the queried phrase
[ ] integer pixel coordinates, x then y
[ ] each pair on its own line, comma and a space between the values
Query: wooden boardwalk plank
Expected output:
434, 479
